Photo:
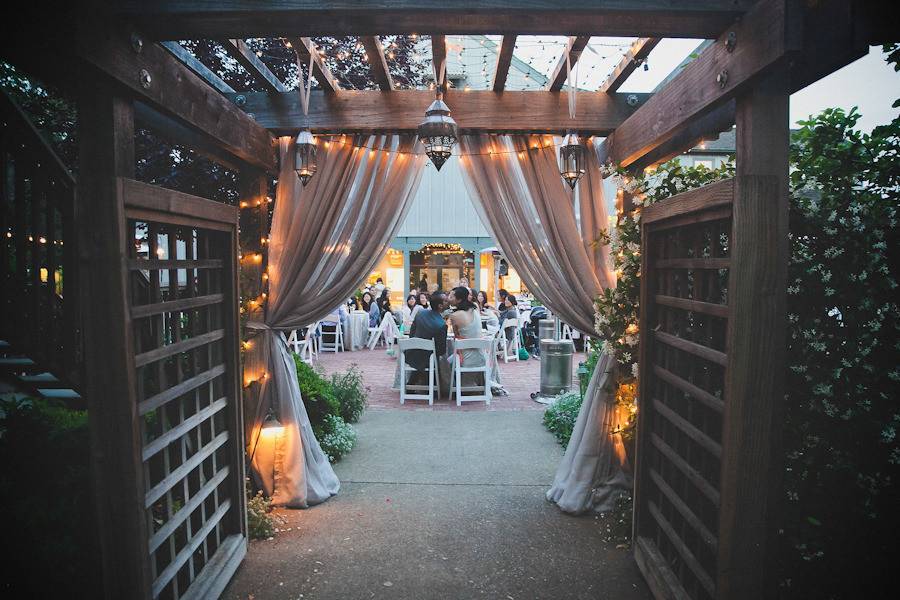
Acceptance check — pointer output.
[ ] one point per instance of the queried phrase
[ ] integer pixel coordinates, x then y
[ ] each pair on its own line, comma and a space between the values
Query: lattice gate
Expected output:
182, 294
684, 323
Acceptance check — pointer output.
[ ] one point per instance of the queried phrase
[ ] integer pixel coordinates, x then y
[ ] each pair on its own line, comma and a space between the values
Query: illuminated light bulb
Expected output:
244, 204
42, 240
160, 252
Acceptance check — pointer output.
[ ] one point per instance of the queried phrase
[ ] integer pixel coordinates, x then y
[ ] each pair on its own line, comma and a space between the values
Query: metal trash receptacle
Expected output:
556, 366
546, 329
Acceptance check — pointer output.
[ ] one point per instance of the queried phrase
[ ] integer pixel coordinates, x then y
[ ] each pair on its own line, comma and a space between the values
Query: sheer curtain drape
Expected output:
325, 239
515, 184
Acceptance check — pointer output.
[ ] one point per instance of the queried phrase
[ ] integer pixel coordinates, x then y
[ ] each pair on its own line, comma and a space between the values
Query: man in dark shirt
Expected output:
429, 325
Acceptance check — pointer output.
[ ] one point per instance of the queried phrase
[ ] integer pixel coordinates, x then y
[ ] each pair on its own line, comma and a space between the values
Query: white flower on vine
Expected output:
634, 370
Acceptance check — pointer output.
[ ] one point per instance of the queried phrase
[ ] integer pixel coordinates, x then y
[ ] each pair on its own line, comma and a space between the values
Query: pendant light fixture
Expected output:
571, 153
305, 156
305, 144
438, 132
571, 159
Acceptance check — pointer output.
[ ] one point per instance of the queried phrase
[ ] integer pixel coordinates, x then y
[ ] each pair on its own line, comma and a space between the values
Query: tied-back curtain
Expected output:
325, 239
516, 187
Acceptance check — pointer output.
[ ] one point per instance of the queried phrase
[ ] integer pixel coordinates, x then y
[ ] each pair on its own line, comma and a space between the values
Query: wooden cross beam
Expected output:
304, 48
153, 76
377, 61
193, 19
368, 111
636, 55
504, 58
763, 38
239, 51
573, 50
182, 54
439, 57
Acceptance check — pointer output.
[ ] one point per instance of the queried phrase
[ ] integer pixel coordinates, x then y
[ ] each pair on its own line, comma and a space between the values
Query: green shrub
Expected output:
350, 393
338, 439
561, 414
48, 510
318, 396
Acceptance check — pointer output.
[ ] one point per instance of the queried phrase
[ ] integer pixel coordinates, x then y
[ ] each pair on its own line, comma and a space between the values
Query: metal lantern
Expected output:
571, 159
438, 132
305, 156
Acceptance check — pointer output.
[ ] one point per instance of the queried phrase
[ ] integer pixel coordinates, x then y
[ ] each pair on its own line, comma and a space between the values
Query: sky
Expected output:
869, 83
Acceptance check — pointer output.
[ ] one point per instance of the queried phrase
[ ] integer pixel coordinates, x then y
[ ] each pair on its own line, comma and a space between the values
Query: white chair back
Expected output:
417, 344
483, 346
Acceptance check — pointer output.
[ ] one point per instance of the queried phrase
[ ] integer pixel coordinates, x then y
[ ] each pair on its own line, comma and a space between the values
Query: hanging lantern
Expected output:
305, 156
438, 132
571, 159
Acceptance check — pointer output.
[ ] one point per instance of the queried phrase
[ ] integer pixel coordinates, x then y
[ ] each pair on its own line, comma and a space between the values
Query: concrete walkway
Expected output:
441, 505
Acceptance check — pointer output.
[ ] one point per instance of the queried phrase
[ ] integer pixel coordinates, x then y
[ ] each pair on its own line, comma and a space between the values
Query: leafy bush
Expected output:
318, 396
350, 393
843, 380
47, 504
338, 439
561, 414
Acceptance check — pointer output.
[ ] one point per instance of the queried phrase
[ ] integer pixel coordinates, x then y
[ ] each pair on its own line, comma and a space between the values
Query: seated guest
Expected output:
423, 299
378, 288
353, 303
371, 307
428, 325
510, 311
410, 310
489, 316
384, 302
466, 322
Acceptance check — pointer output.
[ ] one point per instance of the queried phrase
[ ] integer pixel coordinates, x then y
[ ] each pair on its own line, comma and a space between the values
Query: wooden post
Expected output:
754, 386
106, 151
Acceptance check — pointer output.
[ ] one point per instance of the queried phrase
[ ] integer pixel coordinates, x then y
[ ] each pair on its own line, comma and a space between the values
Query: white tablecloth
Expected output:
357, 330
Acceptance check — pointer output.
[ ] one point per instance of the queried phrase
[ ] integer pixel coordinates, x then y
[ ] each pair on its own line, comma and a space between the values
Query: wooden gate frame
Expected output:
750, 479
109, 198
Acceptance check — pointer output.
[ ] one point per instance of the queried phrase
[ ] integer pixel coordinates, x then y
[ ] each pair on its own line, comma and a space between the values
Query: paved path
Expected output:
441, 504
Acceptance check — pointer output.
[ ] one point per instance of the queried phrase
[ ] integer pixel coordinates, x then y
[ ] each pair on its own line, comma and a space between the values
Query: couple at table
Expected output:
431, 325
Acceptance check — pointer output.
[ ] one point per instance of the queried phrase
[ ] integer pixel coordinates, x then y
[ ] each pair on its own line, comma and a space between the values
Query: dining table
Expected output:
357, 330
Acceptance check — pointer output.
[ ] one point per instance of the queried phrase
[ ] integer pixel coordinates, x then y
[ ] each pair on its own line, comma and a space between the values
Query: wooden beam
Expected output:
766, 36
193, 19
182, 54
504, 58
156, 78
754, 376
439, 56
304, 47
363, 111
635, 56
377, 61
247, 58
573, 50
106, 152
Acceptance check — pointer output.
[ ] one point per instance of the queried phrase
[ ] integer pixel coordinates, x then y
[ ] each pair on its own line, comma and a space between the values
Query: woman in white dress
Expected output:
409, 311
466, 323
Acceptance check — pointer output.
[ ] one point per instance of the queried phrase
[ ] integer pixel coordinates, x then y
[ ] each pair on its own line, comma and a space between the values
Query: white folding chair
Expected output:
567, 333
308, 351
387, 332
457, 369
507, 345
337, 336
405, 370
294, 342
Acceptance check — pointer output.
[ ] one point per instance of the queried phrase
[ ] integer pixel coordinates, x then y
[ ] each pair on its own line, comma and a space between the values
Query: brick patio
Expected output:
519, 378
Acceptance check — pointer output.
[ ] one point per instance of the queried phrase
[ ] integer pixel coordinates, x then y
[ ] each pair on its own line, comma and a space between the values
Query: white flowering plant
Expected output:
842, 455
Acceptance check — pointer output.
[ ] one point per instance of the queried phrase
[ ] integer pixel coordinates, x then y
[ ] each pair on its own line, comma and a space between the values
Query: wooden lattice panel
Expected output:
684, 320
182, 290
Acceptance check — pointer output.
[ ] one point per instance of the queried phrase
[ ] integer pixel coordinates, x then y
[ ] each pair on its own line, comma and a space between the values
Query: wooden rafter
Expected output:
377, 62
182, 54
439, 56
763, 38
304, 47
239, 51
635, 56
369, 111
576, 45
192, 19
161, 81
504, 59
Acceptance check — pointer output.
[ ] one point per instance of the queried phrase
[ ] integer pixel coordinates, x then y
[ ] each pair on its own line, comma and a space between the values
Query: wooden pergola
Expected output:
707, 471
